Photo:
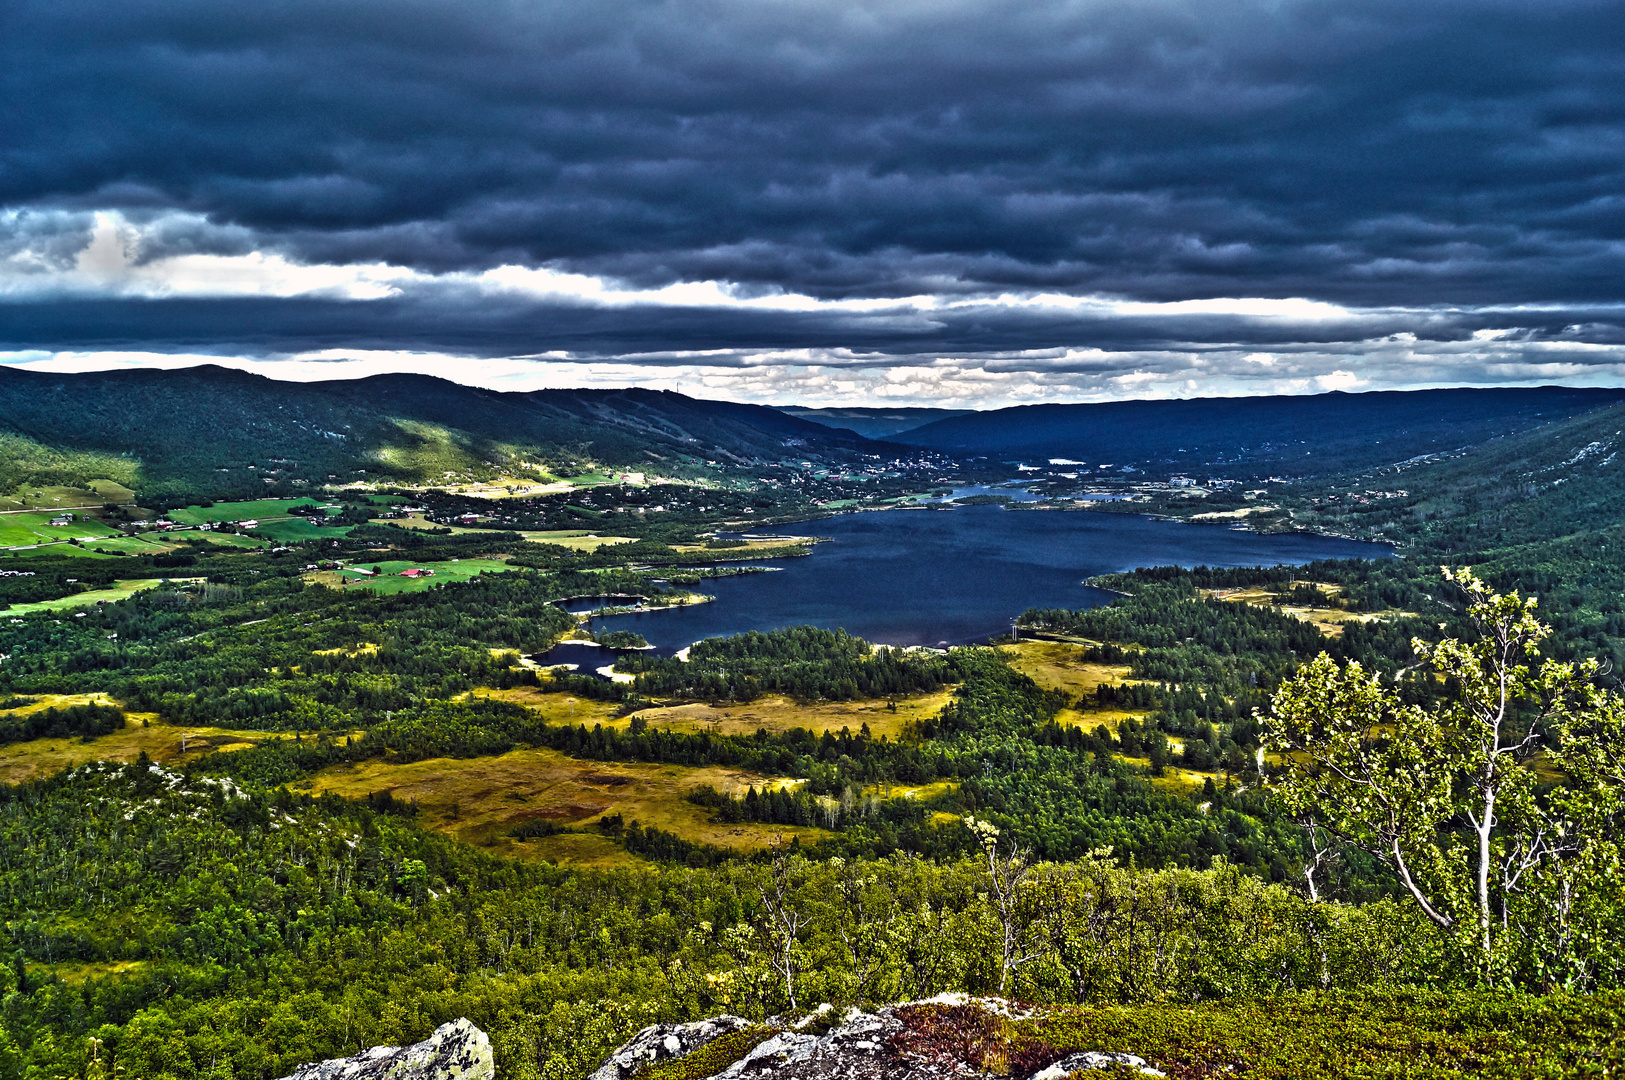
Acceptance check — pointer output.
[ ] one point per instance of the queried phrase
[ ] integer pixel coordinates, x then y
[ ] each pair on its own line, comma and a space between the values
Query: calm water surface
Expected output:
925, 577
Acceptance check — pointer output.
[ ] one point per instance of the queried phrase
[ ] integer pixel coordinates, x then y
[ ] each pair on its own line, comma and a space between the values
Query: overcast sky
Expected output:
956, 202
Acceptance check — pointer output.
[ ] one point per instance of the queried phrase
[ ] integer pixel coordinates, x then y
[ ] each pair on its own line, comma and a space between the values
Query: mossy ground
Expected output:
481, 800
1407, 1034
1414, 1034
709, 1059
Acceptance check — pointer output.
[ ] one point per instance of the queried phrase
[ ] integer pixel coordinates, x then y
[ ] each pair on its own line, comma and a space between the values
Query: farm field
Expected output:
416, 522
295, 530
1059, 665
21, 529
123, 590
575, 539
232, 540
143, 732
255, 509
93, 496
481, 800
142, 544
73, 551
749, 547
389, 581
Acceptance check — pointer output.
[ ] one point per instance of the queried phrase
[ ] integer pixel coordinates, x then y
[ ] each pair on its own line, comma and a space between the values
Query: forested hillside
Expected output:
1543, 511
214, 431
1256, 436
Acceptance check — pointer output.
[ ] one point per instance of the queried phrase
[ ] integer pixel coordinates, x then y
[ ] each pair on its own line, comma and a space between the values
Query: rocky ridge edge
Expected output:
948, 1036
456, 1051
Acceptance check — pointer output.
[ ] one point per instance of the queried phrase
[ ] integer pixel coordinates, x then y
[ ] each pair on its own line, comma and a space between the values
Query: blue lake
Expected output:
927, 577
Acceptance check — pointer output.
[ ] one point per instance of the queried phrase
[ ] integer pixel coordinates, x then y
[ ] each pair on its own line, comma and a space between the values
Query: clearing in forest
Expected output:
1059, 665
162, 742
388, 578
1329, 621
776, 713
773, 712
482, 800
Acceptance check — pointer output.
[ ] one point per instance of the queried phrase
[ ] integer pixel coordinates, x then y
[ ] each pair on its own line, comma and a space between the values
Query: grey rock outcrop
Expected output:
456, 1051
940, 1039
661, 1041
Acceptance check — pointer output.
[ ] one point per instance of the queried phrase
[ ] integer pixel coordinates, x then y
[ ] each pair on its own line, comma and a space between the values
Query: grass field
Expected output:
389, 581
93, 496
1059, 665
74, 551
142, 544
575, 539
17, 530
122, 590
481, 800
255, 509
162, 742
749, 547
296, 530
234, 540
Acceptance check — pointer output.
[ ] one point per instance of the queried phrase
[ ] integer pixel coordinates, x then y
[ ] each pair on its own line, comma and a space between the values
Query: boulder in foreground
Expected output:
456, 1051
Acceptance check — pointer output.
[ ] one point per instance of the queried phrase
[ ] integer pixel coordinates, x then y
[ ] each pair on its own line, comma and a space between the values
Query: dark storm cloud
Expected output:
483, 326
1369, 153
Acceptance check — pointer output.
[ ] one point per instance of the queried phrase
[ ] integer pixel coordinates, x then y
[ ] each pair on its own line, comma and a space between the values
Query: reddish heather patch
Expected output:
947, 1035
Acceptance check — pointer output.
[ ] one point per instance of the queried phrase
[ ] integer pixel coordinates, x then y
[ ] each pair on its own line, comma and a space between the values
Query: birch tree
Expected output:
1520, 875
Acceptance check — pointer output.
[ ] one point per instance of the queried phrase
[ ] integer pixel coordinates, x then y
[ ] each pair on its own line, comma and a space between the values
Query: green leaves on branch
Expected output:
1496, 810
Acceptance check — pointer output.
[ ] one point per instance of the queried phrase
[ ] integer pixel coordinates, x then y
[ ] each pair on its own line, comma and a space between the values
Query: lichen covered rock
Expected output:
948, 1037
456, 1051
660, 1042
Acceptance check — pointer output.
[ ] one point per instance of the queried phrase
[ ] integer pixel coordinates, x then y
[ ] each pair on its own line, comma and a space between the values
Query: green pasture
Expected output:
69, 550
237, 511
143, 544
47, 497
232, 540
389, 580
295, 530
17, 530
122, 590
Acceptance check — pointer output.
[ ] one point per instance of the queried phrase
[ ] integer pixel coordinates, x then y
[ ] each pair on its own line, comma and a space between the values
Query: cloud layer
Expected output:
978, 201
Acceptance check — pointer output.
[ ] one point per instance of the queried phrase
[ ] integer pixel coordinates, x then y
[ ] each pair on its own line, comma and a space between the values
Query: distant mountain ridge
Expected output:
872, 423
198, 430
1251, 436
